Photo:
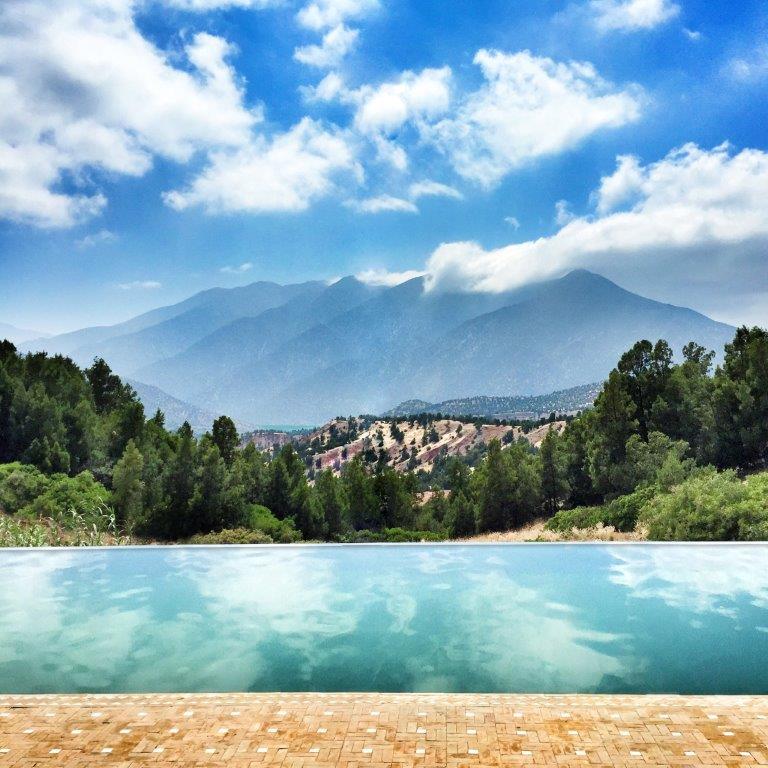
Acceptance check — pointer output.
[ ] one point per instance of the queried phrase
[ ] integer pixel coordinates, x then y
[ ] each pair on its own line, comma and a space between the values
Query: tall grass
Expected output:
72, 528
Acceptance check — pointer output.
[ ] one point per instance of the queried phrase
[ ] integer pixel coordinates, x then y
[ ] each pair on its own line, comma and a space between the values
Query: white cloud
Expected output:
381, 111
750, 66
331, 87
416, 191
388, 151
96, 238
385, 278
632, 15
432, 189
692, 34
412, 97
512, 221
336, 44
324, 14
83, 90
285, 173
695, 211
383, 203
246, 266
623, 186
140, 285
563, 213
213, 5
529, 107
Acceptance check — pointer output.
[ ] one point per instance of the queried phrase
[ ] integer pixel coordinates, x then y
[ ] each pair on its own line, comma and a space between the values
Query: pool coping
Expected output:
350, 545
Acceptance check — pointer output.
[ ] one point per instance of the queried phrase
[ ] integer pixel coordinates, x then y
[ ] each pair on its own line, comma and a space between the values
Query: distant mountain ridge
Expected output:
176, 411
563, 401
303, 353
18, 335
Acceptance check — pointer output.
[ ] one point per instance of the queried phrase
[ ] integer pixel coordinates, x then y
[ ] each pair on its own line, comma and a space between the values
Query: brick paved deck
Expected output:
369, 730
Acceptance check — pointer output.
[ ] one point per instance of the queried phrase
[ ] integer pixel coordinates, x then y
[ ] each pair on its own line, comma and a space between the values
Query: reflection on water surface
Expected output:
545, 618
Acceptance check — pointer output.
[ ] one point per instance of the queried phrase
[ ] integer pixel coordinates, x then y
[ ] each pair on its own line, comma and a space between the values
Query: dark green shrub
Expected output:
20, 484
709, 507
260, 519
82, 496
232, 536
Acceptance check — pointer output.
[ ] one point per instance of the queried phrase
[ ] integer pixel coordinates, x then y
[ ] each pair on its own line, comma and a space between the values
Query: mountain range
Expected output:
302, 353
564, 401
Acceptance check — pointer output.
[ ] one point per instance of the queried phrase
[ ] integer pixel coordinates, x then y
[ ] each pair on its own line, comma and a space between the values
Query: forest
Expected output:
672, 448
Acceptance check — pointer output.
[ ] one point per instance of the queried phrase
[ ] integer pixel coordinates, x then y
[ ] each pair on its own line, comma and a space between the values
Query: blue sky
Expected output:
152, 149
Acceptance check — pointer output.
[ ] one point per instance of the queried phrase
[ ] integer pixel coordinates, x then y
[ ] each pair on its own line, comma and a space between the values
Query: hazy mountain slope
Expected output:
176, 411
134, 351
16, 335
65, 343
198, 315
198, 370
303, 353
128, 352
573, 332
552, 336
344, 364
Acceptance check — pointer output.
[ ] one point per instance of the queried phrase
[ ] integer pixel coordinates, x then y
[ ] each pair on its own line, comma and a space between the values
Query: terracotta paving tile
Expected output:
292, 730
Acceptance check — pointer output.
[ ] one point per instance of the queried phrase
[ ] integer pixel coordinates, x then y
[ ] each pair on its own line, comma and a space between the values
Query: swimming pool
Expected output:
478, 618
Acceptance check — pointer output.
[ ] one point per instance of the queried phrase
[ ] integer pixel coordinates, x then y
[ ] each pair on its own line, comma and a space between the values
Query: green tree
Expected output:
280, 486
107, 389
508, 487
685, 410
614, 423
554, 485
250, 470
179, 486
575, 443
461, 516
128, 485
396, 502
333, 502
47, 455
225, 437
208, 499
644, 372
307, 512
741, 401
364, 510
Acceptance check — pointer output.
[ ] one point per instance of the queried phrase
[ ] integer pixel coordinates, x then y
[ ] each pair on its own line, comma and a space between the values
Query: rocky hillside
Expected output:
407, 444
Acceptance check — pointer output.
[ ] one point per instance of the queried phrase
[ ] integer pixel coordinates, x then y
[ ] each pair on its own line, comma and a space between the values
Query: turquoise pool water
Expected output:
543, 618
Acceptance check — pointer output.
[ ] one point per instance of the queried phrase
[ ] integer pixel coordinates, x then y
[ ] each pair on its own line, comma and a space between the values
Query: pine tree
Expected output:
460, 519
614, 423
496, 491
333, 503
307, 513
554, 486
364, 509
225, 437
179, 485
741, 401
279, 488
205, 507
128, 486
